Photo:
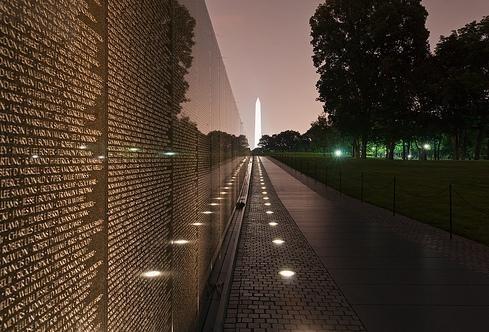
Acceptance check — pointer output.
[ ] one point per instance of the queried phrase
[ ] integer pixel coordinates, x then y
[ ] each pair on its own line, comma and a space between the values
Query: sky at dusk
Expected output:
266, 49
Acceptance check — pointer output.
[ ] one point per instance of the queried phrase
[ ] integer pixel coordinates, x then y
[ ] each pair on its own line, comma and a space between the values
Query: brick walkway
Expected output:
263, 300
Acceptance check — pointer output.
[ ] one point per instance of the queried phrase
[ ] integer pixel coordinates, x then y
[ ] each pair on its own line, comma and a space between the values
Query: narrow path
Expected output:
394, 284
261, 298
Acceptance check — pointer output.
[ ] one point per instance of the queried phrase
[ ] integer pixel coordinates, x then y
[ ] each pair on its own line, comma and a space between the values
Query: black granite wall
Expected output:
120, 162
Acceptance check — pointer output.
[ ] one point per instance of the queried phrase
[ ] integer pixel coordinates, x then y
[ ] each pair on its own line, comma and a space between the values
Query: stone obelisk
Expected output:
257, 122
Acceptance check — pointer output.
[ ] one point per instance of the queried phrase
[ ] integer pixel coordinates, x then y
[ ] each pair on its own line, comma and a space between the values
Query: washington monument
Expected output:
257, 122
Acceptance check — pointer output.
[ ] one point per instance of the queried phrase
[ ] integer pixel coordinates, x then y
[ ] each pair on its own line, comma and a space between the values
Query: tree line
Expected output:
386, 94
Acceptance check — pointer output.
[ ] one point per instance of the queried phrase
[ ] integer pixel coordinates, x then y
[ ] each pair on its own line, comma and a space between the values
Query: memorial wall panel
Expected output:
52, 164
121, 161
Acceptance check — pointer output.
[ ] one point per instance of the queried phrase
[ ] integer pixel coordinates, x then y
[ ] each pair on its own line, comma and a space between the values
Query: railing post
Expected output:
451, 210
341, 192
361, 187
326, 177
394, 198
316, 170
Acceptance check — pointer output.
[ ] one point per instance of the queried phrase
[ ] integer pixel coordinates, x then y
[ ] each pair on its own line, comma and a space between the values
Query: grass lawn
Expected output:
422, 188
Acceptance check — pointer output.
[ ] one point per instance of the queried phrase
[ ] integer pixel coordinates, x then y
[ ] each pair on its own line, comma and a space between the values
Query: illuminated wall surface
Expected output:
120, 163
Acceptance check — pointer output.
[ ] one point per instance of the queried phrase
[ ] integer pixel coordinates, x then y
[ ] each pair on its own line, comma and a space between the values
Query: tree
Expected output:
323, 137
285, 141
462, 62
366, 53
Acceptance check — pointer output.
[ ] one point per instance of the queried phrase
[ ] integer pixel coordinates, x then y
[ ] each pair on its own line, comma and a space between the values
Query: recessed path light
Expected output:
268, 204
180, 242
151, 274
273, 224
287, 273
266, 198
269, 212
278, 241
207, 212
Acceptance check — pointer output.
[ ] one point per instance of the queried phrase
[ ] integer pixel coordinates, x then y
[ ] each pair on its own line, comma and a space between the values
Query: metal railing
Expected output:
446, 206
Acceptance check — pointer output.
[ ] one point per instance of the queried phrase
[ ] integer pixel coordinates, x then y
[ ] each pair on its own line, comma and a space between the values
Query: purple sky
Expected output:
265, 45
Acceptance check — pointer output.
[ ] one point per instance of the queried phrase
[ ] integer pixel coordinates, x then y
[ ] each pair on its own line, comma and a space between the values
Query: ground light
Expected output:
338, 153
207, 212
278, 241
269, 212
287, 273
268, 204
273, 224
151, 274
180, 242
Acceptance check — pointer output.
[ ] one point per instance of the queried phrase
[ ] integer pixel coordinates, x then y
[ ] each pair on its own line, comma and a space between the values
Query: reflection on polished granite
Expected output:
121, 159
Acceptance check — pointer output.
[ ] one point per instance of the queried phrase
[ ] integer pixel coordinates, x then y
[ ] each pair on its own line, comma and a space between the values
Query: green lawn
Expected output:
422, 188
